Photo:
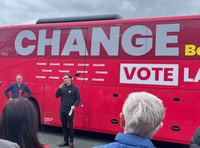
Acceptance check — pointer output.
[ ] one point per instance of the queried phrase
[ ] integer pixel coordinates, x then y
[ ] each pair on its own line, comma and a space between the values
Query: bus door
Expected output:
69, 59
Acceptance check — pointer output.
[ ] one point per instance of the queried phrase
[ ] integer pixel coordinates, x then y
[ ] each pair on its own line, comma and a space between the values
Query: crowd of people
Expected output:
141, 117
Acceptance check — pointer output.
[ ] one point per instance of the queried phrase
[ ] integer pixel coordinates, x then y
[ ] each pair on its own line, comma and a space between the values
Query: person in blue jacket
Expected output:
141, 118
18, 89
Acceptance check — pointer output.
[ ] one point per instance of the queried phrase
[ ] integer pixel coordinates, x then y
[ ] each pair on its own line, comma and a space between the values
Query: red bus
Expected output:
109, 59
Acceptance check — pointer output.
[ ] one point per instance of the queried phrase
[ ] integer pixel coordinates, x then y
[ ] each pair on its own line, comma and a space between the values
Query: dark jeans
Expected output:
67, 126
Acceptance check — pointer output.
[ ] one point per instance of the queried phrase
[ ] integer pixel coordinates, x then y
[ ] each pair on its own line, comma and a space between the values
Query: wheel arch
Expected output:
37, 107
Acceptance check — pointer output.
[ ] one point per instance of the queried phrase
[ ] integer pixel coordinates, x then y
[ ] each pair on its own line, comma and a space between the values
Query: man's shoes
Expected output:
71, 145
63, 144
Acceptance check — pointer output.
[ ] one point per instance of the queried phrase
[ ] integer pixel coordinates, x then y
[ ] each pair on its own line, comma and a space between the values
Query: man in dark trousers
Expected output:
70, 99
18, 89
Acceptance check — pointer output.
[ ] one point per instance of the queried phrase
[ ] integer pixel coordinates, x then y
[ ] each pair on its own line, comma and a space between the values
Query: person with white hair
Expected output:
141, 118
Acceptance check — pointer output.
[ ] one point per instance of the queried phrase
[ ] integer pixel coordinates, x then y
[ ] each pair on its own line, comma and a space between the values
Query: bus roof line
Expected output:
78, 19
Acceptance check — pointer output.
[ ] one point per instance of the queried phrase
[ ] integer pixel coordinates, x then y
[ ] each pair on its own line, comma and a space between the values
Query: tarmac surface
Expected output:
52, 136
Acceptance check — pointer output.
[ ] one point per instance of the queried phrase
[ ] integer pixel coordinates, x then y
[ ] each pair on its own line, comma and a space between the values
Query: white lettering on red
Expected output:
162, 39
157, 74
187, 76
19, 39
145, 42
110, 41
111, 45
43, 41
80, 47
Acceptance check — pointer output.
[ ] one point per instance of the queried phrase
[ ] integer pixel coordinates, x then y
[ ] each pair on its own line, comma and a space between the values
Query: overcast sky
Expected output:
17, 12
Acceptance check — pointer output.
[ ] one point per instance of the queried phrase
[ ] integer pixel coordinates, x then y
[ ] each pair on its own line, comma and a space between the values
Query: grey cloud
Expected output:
23, 11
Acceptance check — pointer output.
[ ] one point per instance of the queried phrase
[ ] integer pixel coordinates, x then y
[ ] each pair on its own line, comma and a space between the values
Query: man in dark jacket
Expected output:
195, 140
70, 99
141, 117
18, 89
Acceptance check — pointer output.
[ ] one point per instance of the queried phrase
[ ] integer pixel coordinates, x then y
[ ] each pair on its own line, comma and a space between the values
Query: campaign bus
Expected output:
108, 59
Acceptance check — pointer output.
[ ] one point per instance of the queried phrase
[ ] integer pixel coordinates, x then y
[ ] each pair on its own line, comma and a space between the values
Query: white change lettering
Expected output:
162, 39
145, 42
137, 40
18, 42
43, 41
75, 35
110, 45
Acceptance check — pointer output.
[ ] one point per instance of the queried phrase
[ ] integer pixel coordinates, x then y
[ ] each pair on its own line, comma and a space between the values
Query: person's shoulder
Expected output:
100, 146
110, 145
8, 144
13, 84
74, 86
23, 84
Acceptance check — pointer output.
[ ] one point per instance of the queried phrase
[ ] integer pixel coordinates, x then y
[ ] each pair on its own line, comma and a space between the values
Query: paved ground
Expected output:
52, 136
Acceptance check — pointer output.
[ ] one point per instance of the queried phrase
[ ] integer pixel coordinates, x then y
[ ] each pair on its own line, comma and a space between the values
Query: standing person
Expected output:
18, 89
19, 123
141, 117
70, 99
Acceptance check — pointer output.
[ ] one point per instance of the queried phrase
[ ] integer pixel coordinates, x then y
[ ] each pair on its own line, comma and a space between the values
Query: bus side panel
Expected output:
37, 94
81, 117
182, 114
58, 67
105, 106
33, 77
51, 114
51, 105
3, 98
31, 69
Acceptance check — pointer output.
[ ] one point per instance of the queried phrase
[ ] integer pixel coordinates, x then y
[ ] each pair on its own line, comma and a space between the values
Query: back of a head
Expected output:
19, 122
143, 114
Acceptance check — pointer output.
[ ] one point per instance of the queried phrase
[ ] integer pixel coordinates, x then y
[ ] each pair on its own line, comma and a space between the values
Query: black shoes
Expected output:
63, 144
71, 145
